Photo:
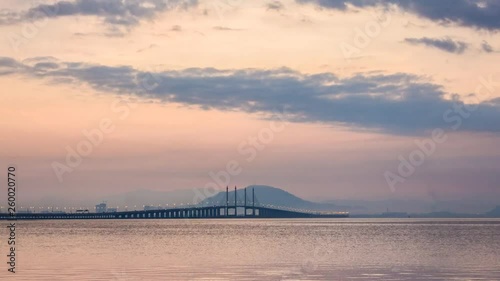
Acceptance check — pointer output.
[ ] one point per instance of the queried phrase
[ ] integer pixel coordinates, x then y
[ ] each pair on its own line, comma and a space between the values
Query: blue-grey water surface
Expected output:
251, 249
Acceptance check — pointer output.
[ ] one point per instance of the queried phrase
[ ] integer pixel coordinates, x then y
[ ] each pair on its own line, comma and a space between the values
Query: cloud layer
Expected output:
396, 103
478, 14
116, 14
444, 44
486, 47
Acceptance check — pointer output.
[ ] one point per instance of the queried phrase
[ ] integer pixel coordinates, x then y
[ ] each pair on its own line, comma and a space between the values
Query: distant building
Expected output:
100, 208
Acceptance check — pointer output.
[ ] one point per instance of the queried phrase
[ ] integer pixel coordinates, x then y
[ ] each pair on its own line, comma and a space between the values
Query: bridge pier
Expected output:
245, 204
227, 201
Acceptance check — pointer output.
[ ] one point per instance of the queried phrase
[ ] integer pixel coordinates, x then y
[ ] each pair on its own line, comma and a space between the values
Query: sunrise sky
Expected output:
183, 86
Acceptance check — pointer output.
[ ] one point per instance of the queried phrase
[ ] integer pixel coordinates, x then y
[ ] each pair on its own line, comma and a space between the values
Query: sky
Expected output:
326, 99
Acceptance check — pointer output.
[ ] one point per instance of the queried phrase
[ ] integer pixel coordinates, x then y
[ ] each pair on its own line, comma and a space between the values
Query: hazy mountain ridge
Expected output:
138, 198
495, 212
273, 196
419, 206
269, 195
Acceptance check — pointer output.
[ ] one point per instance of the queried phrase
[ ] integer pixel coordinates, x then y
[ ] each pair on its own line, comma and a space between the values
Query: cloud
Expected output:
151, 46
9, 66
483, 14
397, 103
487, 47
176, 28
445, 44
225, 28
118, 15
275, 5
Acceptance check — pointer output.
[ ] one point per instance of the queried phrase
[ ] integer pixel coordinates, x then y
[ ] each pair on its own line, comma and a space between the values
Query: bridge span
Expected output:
212, 212
194, 212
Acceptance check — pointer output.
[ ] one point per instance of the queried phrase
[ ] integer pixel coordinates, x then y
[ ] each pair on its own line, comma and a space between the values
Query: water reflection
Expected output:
328, 249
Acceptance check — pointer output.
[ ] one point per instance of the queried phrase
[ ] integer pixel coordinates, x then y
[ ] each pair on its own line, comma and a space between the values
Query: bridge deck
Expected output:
218, 212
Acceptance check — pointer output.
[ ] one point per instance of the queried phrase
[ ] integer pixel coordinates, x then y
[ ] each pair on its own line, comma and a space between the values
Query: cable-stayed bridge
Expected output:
244, 209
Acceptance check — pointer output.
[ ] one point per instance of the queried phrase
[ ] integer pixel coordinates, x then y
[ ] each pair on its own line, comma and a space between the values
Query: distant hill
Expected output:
272, 196
136, 199
494, 213
412, 206
278, 197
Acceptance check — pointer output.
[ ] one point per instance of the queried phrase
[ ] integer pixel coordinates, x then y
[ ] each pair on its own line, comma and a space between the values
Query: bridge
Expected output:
195, 212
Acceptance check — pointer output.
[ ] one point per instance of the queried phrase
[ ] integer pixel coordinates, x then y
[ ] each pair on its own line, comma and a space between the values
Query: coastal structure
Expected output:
226, 210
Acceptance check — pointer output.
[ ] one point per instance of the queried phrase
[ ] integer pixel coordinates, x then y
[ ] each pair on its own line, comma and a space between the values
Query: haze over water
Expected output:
296, 249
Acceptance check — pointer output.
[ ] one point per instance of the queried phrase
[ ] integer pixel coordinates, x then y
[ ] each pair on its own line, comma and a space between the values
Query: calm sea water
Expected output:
326, 249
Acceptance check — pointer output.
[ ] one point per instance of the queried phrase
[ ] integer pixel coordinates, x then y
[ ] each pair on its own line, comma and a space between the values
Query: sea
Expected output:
254, 249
